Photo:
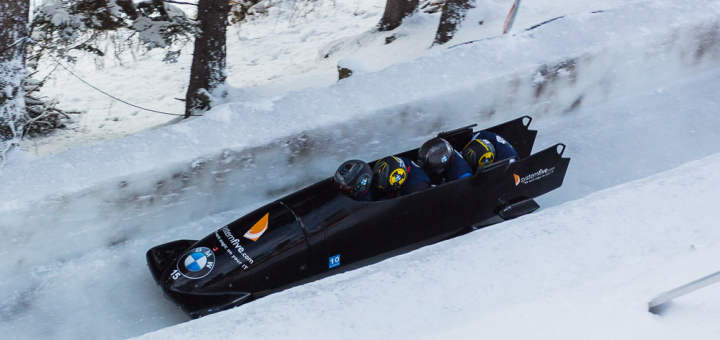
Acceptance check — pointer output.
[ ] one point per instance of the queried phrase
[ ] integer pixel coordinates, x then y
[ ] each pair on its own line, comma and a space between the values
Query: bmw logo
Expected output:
444, 158
196, 263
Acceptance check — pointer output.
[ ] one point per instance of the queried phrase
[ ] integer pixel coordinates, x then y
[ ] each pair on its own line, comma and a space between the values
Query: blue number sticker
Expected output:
334, 261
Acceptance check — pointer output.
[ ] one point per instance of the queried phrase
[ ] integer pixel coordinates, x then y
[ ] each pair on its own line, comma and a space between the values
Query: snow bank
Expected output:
270, 148
585, 269
59, 281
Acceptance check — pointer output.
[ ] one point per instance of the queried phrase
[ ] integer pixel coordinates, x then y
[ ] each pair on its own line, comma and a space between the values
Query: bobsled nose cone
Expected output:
158, 258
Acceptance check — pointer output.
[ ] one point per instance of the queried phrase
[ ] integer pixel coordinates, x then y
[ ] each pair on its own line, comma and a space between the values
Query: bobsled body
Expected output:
317, 231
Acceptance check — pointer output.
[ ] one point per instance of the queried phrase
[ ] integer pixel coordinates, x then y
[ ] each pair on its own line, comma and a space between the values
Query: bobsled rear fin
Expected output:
458, 138
159, 257
518, 134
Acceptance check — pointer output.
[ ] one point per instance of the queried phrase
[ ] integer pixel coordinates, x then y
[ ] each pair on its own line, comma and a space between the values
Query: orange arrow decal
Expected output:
258, 229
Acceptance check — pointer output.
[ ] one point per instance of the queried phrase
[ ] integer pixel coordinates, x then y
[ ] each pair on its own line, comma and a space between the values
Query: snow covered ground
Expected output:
77, 224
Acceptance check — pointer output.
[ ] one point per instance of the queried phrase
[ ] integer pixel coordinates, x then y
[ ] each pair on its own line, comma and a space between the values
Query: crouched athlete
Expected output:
441, 162
487, 147
353, 178
397, 176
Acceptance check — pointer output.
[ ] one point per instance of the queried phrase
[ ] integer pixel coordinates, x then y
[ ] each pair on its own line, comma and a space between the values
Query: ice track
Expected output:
73, 272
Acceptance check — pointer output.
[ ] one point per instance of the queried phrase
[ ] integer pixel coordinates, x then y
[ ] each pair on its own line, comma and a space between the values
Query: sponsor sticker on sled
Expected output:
334, 261
533, 176
195, 264
258, 229
234, 248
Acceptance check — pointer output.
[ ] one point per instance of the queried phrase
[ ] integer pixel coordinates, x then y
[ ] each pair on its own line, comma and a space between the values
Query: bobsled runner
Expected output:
317, 231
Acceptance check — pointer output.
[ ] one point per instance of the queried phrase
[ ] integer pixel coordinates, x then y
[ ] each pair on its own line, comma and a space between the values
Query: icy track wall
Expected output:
245, 154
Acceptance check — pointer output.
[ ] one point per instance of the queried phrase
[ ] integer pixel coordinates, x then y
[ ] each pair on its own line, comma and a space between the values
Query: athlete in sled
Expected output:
438, 161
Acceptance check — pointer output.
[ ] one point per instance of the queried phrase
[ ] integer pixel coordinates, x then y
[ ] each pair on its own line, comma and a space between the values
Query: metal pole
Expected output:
684, 289
510, 19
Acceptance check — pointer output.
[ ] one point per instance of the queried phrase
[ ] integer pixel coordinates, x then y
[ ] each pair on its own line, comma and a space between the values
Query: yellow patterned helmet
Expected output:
479, 153
389, 174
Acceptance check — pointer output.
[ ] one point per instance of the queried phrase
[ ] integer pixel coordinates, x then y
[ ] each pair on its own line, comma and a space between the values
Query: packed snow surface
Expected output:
632, 91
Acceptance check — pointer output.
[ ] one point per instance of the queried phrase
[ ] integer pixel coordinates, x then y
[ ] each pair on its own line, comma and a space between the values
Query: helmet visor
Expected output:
344, 189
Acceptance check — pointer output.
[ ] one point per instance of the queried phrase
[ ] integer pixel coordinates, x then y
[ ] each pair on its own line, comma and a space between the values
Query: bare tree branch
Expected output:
180, 2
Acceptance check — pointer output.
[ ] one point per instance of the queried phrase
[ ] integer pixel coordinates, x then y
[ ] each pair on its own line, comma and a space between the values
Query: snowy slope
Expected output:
77, 224
102, 287
585, 269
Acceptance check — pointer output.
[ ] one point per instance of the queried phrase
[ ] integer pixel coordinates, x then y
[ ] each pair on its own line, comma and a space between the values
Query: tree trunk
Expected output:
395, 12
208, 65
13, 35
129, 8
451, 19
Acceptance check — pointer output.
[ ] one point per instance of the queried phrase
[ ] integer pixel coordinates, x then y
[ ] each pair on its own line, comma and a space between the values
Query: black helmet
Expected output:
389, 174
436, 155
479, 152
353, 178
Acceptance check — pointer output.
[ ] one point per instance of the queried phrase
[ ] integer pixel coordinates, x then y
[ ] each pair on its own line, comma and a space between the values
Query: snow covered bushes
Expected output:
62, 28
63, 25
43, 116
13, 37
12, 106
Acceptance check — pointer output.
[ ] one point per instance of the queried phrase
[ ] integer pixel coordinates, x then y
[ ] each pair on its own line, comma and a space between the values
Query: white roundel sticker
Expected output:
196, 263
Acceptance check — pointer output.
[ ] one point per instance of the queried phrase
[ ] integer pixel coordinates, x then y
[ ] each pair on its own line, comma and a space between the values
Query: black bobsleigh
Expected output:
317, 231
